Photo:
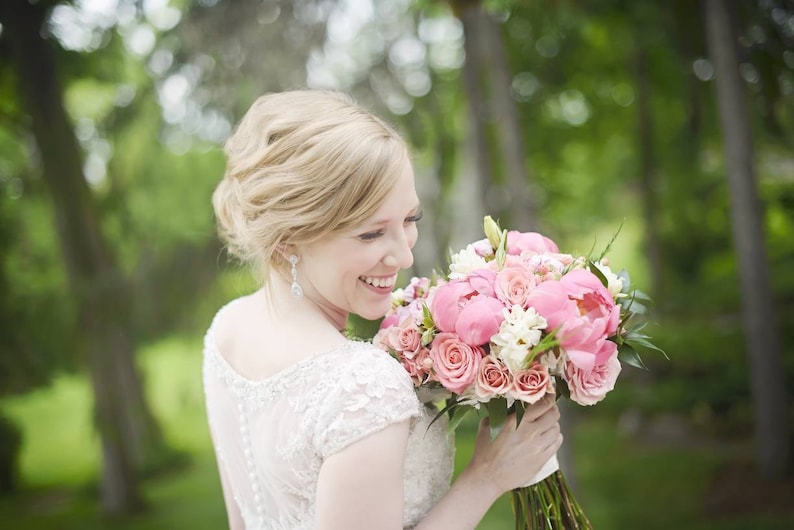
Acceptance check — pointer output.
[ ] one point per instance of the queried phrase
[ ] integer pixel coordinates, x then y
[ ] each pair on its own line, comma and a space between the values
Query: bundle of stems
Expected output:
548, 505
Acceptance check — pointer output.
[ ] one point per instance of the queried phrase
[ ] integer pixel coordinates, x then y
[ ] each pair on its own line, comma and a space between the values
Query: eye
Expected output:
414, 218
371, 236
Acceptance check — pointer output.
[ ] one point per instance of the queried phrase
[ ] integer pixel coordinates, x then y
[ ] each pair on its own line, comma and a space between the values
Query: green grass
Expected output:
622, 484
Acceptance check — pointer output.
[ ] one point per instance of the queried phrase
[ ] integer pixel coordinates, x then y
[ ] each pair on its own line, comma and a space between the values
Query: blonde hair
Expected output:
301, 165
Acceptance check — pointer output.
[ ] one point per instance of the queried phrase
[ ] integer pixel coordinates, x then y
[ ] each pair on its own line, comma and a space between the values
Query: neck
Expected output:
310, 306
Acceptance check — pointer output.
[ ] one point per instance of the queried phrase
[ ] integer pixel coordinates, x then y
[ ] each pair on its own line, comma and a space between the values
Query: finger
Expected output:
541, 410
535, 410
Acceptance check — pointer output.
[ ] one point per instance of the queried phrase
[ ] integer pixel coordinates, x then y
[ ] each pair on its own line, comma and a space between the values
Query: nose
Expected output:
400, 253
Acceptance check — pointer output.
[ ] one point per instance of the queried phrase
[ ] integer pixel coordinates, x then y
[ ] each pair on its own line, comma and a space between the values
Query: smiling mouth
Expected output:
379, 281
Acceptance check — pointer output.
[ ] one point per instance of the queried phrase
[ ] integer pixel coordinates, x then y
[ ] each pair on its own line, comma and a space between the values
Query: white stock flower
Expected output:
464, 262
520, 331
614, 283
397, 297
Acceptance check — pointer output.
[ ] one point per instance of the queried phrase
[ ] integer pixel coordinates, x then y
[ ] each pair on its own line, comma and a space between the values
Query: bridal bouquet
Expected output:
515, 319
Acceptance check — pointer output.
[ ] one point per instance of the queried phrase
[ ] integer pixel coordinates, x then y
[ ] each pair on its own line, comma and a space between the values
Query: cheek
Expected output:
412, 234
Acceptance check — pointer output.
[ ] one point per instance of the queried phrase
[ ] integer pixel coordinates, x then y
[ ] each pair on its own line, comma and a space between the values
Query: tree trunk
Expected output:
761, 334
125, 425
647, 172
479, 186
520, 207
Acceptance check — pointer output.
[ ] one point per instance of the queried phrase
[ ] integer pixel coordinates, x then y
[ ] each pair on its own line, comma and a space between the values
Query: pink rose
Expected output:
513, 285
381, 339
493, 379
517, 242
389, 320
479, 320
588, 387
455, 363
532, 384
405, 338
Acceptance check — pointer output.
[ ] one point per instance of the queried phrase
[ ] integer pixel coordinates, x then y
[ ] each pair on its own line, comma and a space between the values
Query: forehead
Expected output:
401, 198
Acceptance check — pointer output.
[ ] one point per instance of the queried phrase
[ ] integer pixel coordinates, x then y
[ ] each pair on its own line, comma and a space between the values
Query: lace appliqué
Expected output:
272, 436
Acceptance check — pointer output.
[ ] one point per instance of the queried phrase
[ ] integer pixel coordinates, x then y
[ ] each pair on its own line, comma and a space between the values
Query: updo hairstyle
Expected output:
301, 165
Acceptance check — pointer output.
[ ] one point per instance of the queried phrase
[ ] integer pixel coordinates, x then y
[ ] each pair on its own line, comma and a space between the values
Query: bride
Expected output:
312, 430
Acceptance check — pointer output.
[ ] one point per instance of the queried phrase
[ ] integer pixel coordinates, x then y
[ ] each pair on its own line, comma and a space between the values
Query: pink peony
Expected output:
482, 281
455, 363
550, 299
493, 379
532, 384
483, 248
517, 242
513, 285
446, 302
583, 314
479, 320
593, 299
588, 387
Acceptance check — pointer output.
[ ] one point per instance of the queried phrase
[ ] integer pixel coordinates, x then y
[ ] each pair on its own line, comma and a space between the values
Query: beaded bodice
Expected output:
272, 436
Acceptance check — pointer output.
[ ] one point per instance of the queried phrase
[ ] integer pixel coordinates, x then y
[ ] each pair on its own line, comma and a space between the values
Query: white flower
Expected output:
518, 333
397, 297
614, 283
464, 262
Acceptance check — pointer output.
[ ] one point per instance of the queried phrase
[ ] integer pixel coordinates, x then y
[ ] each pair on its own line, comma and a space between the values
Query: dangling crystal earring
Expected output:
297, 291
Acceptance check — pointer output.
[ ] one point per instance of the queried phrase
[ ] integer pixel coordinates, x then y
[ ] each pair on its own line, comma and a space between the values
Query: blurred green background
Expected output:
568, 117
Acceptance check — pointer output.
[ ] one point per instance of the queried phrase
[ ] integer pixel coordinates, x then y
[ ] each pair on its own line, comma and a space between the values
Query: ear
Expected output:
285, 251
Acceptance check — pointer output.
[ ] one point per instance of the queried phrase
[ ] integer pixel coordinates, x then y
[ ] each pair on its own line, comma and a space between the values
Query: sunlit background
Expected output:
577, 119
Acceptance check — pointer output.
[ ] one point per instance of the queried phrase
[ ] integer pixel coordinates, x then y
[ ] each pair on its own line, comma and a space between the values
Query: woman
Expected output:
312, 430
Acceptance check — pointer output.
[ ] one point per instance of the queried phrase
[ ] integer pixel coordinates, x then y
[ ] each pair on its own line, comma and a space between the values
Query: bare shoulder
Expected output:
258, 342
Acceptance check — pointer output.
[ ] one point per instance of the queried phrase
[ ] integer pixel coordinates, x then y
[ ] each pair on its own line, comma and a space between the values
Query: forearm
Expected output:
463, 506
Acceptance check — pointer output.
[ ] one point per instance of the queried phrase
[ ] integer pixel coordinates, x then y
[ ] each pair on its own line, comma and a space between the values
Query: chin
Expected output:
373, 313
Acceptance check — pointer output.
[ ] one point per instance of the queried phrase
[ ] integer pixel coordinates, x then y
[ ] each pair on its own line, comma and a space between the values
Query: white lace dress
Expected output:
272, 436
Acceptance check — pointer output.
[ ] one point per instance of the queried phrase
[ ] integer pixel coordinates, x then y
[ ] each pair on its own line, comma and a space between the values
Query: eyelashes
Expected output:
371, 236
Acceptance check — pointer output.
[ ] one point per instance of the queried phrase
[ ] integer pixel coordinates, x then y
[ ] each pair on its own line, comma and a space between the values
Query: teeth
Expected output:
379, 282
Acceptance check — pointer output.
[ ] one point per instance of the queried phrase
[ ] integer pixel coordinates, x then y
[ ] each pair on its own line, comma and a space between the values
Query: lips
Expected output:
381, 282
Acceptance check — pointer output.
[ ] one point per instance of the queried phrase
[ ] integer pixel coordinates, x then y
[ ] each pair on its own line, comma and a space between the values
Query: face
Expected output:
355, 271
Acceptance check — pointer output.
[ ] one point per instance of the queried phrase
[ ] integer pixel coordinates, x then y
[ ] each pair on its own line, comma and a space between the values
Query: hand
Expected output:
517, 453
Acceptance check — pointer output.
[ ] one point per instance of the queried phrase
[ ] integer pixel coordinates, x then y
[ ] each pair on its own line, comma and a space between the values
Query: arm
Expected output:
232, 510
360, 487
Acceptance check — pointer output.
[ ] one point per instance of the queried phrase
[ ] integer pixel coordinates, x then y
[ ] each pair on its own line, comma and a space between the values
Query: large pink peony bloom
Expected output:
594, 300
517, 242
582, 312
468, 308
455, 363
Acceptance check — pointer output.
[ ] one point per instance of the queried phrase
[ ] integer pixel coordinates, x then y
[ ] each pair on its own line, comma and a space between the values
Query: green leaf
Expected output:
629, 355
501, 251
611, 241
452, 403
497, 412
642, 340
458, 416
600, 275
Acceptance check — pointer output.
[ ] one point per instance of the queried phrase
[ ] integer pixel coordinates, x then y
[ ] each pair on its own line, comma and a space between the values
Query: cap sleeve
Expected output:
373, 392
